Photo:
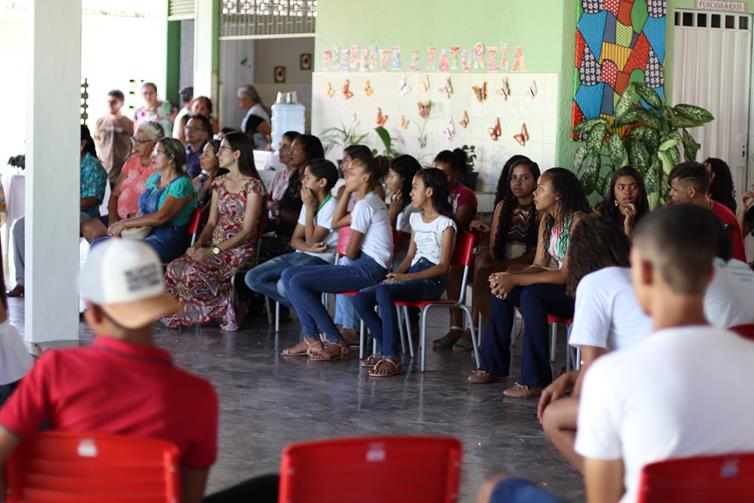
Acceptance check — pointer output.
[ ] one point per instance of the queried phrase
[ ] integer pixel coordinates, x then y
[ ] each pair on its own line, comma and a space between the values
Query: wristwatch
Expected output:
216, 250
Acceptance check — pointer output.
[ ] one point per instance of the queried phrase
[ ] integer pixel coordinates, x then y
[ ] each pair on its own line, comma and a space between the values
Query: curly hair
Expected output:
504, 182
595, 243
570, 194
436, 180
510, 202
406, 166
721, 187
608, 206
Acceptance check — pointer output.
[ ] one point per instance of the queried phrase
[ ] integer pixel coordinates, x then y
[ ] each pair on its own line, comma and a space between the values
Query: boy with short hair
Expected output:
314, 239
112, 136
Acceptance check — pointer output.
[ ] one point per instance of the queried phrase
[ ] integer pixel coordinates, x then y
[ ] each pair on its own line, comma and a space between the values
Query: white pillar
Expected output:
206, 48
52, 184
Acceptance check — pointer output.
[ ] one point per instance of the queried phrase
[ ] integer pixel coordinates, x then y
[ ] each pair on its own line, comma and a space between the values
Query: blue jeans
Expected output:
305, 285
536, 301
384, 326
345, 314
168, 241
266, 277
521, 491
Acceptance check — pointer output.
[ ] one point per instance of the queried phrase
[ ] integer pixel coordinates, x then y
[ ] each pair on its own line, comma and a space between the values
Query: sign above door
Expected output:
719, 5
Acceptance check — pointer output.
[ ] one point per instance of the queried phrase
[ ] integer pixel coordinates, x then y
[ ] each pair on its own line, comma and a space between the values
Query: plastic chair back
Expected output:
463, 254
728, 477
746, 331
193, 226
395, 469
344, 237
56, 467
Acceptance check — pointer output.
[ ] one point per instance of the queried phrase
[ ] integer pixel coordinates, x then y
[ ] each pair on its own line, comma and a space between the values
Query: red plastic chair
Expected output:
462, 257
193, 226
55, 467
727, 477
395, 469
746, 331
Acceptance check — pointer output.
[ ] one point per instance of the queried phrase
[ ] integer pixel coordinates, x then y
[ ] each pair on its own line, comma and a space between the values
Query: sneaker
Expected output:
522, 391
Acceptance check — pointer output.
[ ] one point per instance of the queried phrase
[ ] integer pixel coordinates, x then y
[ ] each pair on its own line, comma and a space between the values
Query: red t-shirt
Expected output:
729, 219
461, 195
120, 388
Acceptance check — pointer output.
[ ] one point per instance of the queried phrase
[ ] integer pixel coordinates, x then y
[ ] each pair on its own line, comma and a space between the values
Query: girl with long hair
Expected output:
626, 201
539, 289
420, 276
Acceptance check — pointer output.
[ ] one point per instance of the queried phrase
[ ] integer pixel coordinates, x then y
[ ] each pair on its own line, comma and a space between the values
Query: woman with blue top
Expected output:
166, 205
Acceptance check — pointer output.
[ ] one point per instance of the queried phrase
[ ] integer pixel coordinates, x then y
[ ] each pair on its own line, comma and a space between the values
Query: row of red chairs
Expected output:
57, 467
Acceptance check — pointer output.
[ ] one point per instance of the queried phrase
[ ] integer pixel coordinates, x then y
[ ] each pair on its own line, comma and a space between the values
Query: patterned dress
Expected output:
203, 286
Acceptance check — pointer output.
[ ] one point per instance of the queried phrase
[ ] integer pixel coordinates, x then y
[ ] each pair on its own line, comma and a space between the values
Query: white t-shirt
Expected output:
607, 314
177, 122
369, 216
728, 300
403, 222
323, 219
15, 359
428, 236
680, 392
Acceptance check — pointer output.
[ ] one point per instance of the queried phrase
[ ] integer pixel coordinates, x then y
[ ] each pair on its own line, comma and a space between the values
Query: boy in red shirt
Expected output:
121, 384
689, 182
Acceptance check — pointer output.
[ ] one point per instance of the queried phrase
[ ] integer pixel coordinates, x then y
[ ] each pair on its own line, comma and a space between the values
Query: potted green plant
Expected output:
471, 177
652, 141
341, 137
388, 143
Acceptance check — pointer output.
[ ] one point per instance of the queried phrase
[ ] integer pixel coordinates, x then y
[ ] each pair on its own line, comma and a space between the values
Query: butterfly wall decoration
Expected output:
347, 94
495, 131
424, 108
403, 87
533, 89
480, 91
505, 90
404, 122
523, 136
330, 90
368, 88
450, 131
447, 89
464, 122
381, 119
425, 83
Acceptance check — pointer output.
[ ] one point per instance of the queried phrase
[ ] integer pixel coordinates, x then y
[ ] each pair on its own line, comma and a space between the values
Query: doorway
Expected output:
712, 69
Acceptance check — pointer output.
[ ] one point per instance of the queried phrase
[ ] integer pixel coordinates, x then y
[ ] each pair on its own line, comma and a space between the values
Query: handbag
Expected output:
136, 232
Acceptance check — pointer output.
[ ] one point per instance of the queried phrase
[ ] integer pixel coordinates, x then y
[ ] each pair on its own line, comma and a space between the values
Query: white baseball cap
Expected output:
124, 277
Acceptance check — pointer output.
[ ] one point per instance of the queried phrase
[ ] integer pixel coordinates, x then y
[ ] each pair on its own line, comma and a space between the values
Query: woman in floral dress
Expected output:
200, 280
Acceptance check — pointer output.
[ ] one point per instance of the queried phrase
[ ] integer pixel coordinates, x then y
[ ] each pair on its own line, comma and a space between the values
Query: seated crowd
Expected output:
651, 294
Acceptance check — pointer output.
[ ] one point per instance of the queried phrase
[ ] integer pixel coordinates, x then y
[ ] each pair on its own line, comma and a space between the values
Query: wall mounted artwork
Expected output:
617, 42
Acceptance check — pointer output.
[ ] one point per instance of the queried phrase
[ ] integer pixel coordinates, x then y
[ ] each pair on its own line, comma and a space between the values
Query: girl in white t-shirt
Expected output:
420, 276
370, 248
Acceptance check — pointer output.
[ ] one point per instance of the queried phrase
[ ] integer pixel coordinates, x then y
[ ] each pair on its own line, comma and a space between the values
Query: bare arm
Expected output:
8, 442
406, 263
193, 484
603, 480
341, 217
206, 236
494, 225
464, 215
88, 202
354, 245
167, 212
112, 203
264, 128
301, 243
446, 255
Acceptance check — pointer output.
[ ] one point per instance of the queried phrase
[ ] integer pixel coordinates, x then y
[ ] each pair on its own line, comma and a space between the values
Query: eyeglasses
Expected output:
138, 141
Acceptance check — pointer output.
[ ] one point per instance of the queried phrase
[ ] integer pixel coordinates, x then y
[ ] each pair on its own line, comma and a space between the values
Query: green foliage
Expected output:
341, 137
470, 157
653, 145
387, 142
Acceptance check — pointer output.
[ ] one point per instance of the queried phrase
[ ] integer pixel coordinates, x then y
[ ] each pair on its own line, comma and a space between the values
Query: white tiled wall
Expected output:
539, 114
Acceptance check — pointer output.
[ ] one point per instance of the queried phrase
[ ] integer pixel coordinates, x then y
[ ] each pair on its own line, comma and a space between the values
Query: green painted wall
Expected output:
545, 28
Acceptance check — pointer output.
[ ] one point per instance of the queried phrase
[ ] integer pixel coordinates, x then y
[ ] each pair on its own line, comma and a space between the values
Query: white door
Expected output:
712, 69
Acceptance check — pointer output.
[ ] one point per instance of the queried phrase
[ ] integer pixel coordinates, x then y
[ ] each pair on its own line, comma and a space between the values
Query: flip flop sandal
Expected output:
306, 352
444, 342
327, 354
394, 369
463, 344
370, 361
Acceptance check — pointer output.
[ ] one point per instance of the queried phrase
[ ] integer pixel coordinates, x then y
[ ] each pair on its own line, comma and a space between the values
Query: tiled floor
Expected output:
268, 401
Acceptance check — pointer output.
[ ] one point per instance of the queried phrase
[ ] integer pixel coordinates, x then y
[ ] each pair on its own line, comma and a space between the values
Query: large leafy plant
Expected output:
655, 138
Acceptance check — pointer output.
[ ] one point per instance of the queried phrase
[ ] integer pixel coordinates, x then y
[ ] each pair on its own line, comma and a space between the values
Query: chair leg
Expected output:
362, 340
401, 330
423, 339
553, 339
474, 343
268, 308
409, 335
277, 316
479, 330
577, 363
